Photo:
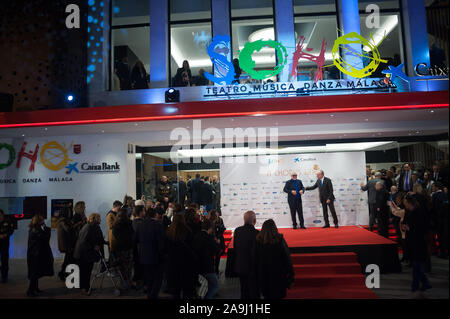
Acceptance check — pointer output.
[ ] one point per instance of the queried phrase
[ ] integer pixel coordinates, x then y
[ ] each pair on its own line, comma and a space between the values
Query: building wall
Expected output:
98, 190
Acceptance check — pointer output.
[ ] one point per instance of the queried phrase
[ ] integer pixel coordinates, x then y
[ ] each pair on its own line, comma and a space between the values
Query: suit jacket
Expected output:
290, 186
244, 246
401, 182
370, 188
325, 191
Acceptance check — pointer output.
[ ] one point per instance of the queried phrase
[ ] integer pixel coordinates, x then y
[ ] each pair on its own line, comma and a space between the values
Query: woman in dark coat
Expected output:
88, 248
39, 254
183, 76
415, 226
66, 240
274, 266
123, 233
219, 229
181, 260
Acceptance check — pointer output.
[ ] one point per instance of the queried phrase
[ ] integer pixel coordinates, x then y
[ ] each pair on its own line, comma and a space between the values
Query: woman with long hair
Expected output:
273, 262
183, 76
39, 254
181, 259
139, 78
219, 229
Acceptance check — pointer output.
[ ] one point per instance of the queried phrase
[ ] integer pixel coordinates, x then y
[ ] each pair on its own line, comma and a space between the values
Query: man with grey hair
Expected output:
244, 241
370, 187
326, 197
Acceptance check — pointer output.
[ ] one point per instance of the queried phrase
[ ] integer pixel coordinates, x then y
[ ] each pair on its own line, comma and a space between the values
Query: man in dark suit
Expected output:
150, 237
326, 197
244, 246
382, 209
181, 191
438, 176
294, 188
439, 213
196, 187
370, 187
405, 182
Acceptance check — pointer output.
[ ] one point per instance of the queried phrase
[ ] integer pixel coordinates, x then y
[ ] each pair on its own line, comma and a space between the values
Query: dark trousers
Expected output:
249, 287
68, 259
442, 233
4, 252
153, 279
325, 212
296, 207
372, 215
138, 273
418, 274
383, 221
85, 274
34, 284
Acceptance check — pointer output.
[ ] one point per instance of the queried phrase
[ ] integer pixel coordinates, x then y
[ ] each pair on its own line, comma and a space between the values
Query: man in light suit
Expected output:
326, 197
370, 187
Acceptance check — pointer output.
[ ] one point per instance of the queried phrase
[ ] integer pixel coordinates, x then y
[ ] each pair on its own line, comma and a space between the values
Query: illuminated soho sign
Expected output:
226, 72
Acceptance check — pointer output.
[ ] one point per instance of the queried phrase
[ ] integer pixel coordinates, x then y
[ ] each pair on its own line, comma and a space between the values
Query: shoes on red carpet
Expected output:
302, 227
336, 226
294, 227
326, 226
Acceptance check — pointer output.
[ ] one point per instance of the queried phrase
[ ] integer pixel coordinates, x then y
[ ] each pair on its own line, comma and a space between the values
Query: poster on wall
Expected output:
34, 205
259, 187
58, 206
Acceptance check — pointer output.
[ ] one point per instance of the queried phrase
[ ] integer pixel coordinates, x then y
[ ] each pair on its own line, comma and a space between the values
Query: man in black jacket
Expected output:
405, 182
294, 188
382, 209
244, 246
164, 192
150, 237
372, 194
206, 247
181, 191
6, 230
326, 197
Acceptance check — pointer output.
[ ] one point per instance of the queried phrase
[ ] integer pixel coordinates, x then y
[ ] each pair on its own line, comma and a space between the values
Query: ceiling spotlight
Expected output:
70, 98
172, 95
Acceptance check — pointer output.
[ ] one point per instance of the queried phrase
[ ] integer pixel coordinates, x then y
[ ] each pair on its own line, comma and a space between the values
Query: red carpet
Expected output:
321, 273
342, 236
328, 276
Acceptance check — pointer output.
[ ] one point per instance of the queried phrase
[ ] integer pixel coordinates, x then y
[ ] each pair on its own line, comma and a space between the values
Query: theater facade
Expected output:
333, 85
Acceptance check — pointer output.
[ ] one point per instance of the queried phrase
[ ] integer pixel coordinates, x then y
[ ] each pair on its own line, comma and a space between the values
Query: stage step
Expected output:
348, 292
328, 268
324, 258
328, 280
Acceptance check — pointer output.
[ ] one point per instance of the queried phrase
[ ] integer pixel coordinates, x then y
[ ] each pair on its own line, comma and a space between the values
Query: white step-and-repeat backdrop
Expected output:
258, 186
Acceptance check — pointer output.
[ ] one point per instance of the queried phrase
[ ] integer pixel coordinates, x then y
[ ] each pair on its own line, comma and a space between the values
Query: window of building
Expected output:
437, 28
315, 6
382, 4
388, 39
316, 21
252, 21
130, 45
190, 34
